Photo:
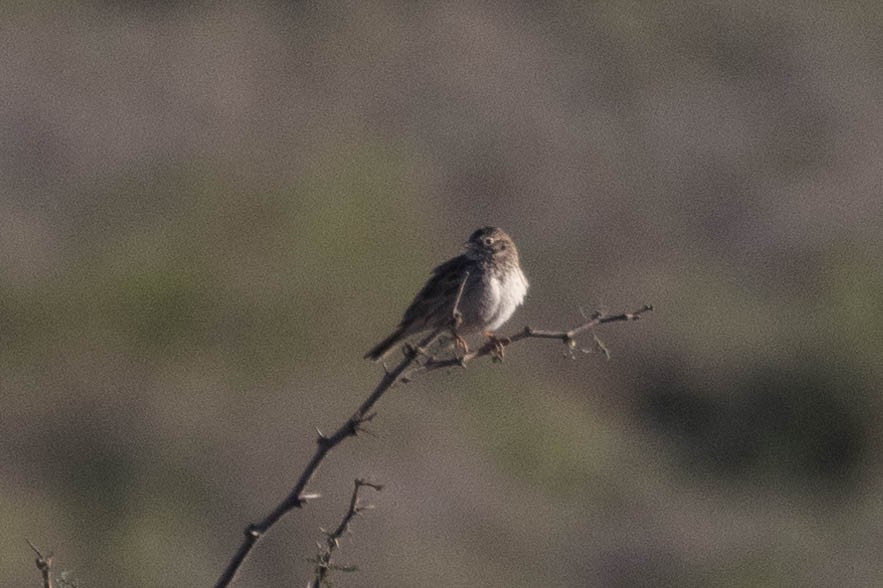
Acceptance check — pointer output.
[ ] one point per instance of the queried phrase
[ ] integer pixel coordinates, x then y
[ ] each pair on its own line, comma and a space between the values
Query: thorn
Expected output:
321, 439
37, 551
600, 345
368, 432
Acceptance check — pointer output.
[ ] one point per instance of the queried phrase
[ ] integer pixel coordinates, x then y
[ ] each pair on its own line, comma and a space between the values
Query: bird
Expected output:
484, 284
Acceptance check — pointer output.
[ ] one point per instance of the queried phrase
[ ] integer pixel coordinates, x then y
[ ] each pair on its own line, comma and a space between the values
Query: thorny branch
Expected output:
44, 564
296, 498
402, 373
332, 539
496, 345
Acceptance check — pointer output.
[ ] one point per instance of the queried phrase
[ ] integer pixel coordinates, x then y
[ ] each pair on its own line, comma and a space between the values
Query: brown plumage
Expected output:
494, 287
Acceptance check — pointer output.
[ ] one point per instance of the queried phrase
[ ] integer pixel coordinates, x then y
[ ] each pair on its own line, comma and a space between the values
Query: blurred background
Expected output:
209, 211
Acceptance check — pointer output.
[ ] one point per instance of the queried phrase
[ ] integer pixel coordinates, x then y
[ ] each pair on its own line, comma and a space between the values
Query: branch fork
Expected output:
407, 368
44, 564
332, 539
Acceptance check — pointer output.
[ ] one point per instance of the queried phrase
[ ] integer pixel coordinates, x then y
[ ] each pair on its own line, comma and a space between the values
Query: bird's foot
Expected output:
460, 344
414, 351
498, 353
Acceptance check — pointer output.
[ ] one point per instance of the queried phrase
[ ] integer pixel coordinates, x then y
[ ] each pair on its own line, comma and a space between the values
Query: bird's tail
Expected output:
382, 348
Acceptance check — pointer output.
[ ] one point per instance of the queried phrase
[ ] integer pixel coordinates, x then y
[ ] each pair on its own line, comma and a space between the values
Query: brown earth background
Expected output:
208, 212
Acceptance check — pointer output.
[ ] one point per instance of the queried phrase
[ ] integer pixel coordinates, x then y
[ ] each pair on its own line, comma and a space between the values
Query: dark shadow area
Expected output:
803, 423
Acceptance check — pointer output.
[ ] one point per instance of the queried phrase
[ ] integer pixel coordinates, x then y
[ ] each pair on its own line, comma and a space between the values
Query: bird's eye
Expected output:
488, 241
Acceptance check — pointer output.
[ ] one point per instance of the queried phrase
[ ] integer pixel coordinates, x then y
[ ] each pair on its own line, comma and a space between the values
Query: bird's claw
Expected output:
460, 343
498, 353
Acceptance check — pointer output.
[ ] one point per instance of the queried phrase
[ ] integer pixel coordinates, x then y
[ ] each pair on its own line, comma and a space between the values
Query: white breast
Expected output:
508, 294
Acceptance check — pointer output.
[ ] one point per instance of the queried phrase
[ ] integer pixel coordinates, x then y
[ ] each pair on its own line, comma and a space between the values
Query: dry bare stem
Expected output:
403, 372
44, 564
332, 539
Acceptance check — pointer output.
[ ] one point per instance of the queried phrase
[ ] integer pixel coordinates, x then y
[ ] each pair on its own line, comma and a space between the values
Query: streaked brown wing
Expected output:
435, 301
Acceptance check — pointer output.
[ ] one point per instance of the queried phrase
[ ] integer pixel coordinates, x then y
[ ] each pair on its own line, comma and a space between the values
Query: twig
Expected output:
296, 498
493, 346
44, 564
456, 315
332, 540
